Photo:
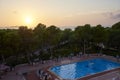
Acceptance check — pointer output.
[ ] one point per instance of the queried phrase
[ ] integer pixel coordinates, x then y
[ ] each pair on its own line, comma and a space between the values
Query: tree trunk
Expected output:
84, 47
28, 58
51, 51
3, 58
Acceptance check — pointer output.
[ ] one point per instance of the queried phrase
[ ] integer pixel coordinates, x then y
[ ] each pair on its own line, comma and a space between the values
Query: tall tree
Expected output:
99, 36
27, 41
83, 35
52, 37
116, 25
114, 37
39, 33
2, 45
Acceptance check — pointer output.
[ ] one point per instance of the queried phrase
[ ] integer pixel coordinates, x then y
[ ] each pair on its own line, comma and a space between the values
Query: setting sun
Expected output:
28, 20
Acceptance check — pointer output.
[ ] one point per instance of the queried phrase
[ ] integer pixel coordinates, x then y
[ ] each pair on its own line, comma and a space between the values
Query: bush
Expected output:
111, 52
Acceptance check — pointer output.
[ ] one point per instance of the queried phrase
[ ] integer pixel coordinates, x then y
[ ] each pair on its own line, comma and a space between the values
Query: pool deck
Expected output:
107, 75
31, 69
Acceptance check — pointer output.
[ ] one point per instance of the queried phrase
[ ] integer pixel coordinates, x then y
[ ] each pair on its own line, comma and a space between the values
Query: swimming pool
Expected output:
84, 68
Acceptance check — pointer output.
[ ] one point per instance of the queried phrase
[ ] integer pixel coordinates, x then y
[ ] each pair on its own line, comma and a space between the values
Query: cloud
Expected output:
113, 15
116, 16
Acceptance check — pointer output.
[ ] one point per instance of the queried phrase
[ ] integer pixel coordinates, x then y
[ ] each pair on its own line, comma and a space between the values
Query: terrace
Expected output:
29, 72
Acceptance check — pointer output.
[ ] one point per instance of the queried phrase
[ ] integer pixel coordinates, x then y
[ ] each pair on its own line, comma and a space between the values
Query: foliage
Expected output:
23, 43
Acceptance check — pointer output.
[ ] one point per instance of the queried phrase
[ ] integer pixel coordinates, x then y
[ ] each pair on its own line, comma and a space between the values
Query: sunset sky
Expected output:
62, 13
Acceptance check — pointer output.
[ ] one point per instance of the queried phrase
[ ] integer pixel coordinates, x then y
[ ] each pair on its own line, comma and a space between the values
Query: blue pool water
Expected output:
84, 68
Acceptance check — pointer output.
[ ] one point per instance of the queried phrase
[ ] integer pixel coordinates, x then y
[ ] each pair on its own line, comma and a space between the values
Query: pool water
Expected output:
83, 68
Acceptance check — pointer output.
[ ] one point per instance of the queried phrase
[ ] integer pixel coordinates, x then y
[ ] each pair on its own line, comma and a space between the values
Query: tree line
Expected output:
21, 44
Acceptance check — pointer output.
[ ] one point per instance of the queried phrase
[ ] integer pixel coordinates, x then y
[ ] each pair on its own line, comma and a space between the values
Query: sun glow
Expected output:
28, 20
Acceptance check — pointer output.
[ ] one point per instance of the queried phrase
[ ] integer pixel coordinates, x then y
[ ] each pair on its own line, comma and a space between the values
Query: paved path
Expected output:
12, 76
115, 75
32, 76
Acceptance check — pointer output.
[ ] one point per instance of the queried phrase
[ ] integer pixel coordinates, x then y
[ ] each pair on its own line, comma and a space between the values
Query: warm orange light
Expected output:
28, 20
